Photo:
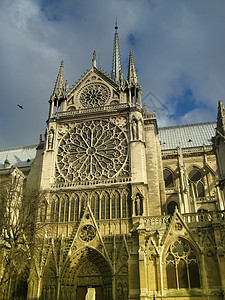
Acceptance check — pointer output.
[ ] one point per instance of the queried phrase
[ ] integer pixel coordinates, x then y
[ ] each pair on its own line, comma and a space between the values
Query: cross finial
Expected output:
94, 60
116, 27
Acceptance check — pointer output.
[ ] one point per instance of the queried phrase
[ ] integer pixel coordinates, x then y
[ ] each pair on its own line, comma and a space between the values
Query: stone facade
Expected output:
123, 218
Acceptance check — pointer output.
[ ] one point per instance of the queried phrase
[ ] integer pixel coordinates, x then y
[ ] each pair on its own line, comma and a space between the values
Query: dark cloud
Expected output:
178, 47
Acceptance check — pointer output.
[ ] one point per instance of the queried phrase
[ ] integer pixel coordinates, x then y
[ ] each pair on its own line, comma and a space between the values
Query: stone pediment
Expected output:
94, 89
178, 229
87, 235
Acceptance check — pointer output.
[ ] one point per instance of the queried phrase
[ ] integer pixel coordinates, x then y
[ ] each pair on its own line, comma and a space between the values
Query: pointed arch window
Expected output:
168, 178
124, 205
196, 185
66, 209
95, 205
43, 211
113, 201
62, 207
107, 202
182, 268
118, 206
72, 208
76, 207
105, 206
54, 215
83, 201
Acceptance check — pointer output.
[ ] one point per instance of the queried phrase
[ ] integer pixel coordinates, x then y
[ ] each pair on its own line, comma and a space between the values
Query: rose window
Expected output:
92, 150
94, 95
87, 233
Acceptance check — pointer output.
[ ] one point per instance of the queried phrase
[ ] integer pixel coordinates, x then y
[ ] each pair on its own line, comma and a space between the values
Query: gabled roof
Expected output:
98, 72
190, 135
18, 157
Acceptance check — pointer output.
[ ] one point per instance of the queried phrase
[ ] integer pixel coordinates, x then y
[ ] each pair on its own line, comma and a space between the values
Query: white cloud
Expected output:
171, 39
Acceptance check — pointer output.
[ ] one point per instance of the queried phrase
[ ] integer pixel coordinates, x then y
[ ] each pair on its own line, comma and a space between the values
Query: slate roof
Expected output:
191, 135
18, 157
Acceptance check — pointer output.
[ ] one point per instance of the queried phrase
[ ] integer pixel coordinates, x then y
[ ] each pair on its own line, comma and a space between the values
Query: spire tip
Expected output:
116, 27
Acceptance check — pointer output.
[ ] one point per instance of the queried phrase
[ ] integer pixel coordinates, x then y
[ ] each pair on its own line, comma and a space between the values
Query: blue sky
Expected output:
178, 47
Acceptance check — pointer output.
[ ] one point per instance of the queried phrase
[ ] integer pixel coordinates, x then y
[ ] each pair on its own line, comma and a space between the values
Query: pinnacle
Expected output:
59, 85
116, 65
132, 74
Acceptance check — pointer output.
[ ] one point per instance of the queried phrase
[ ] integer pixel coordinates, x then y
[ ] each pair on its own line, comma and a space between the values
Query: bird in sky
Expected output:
20, 106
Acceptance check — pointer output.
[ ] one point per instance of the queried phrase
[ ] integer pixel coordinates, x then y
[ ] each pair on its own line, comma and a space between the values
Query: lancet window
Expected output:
168, 178
95, 205
105, 212
182, 267
55, 209
124, 205
104, 205
196, 185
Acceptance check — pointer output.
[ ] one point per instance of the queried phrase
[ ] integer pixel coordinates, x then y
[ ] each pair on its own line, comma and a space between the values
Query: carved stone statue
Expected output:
134, 128
50, 139
138, 205
67, 86
90, 294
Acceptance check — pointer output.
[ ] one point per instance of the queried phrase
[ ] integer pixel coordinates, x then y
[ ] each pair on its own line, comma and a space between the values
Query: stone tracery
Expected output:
92, 150
94, 94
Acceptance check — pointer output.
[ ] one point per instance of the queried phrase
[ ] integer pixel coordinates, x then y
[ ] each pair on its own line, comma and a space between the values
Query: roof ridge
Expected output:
19, 147
188, 125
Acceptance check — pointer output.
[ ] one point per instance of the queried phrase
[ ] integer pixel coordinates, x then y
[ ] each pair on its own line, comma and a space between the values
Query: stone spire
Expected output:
132, 74
116, 65
221, 118
58, 91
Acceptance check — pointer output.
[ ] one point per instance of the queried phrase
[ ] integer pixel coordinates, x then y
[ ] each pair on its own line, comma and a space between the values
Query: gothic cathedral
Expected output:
131, 211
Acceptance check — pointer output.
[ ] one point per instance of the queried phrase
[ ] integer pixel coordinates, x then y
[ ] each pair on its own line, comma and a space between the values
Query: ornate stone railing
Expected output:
88, 110
206, 199
156, 221
171, 190
91, 183
185, 151
200, 217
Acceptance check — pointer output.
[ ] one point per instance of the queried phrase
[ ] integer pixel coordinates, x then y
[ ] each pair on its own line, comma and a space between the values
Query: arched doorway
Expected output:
86, 271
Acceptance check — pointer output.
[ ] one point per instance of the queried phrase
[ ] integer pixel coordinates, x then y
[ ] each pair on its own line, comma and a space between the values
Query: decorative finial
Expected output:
116, 27
132, 74
59, 85
94, 60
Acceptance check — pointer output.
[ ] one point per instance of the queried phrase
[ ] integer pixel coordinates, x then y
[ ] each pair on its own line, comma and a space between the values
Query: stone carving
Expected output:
50, 138
94, 94
134, 129
178, 226
93, 150
138, 205
90, 294
87, 233
67, 86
